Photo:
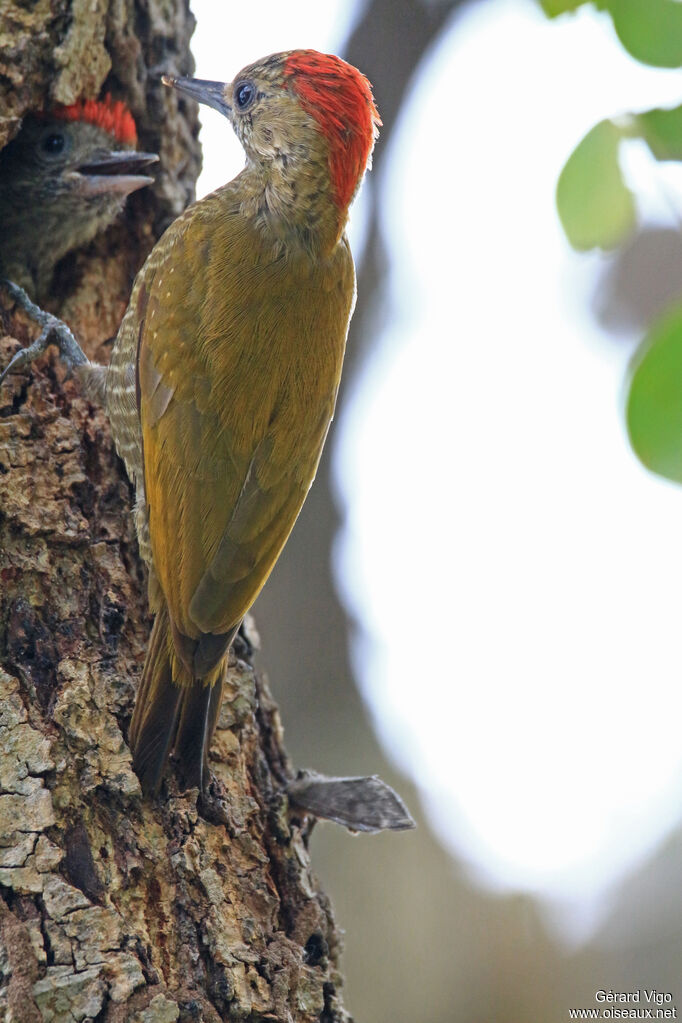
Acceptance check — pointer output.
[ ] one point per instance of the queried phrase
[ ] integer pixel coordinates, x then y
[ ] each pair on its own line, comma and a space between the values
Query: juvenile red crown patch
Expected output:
108, 114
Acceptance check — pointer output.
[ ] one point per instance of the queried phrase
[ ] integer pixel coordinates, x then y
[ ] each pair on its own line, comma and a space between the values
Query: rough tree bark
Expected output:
113, 907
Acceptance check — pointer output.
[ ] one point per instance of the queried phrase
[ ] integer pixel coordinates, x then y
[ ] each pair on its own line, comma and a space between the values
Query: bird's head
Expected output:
85, 150
63, 179
297, 108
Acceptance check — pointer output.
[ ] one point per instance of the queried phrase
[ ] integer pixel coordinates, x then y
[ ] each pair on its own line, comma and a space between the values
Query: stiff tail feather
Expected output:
172, 719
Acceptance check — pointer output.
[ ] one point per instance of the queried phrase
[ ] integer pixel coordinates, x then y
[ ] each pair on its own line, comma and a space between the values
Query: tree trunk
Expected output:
114, 907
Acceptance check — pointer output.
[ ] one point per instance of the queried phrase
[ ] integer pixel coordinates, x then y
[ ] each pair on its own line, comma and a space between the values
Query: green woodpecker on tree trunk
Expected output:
221, 390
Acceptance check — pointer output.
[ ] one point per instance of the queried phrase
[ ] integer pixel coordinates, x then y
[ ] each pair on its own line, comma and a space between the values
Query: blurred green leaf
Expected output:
553, 8
595, 206
654, 402
651, 30
662, 130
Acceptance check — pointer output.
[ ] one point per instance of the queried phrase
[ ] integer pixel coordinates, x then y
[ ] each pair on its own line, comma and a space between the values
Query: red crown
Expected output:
340, 99
111, 115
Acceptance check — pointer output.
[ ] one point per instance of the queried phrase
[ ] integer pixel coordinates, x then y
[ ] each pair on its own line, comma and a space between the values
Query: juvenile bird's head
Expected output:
63, 179
307, 122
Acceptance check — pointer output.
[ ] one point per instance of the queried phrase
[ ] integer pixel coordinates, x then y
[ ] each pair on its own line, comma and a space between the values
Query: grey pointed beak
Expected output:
119, 172
210, 93
118, 161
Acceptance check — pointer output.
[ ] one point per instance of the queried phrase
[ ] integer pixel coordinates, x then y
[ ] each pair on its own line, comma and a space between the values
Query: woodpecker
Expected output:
63, 179
224, 376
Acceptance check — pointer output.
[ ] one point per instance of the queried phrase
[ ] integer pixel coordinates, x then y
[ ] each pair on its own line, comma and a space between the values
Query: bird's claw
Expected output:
25, 356
54, 331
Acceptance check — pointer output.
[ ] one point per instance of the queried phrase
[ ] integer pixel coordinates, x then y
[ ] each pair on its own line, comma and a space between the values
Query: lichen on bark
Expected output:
114, 907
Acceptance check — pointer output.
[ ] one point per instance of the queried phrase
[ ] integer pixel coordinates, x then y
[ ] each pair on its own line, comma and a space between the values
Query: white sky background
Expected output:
493, 503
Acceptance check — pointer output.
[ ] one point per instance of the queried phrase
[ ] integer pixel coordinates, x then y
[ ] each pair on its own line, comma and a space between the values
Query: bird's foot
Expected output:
54, 331
359, 804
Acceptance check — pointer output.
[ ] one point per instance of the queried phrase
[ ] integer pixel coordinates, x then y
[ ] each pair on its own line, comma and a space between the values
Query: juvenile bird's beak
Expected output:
115, 173
210, 93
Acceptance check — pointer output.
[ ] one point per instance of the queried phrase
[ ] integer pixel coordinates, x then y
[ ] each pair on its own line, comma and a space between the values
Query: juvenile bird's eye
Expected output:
244, 95
53, 143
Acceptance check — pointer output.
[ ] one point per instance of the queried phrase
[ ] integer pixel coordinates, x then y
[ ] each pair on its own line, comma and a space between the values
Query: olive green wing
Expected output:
218, 516
264, 514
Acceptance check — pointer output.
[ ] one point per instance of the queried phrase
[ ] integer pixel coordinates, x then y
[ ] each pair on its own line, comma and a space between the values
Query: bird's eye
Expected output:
244, 95
53, 144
